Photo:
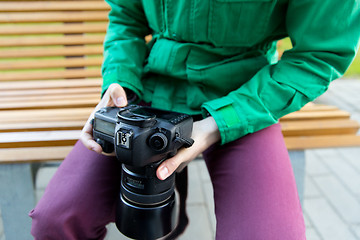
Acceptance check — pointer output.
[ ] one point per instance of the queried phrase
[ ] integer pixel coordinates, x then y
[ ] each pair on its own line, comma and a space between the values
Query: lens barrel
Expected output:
147, 222
146, 207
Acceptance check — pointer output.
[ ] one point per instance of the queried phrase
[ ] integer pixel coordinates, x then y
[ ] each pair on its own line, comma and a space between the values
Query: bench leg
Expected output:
16, 199
298, 163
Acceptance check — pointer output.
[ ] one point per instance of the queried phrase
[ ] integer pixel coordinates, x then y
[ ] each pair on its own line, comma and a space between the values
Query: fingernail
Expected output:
120, 101
164, 171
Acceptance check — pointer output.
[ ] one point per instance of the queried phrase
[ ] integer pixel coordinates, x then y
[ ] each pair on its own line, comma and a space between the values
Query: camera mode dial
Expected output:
158, 141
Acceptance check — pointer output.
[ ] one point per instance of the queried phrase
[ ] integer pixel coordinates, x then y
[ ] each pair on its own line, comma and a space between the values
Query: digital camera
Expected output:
142, 137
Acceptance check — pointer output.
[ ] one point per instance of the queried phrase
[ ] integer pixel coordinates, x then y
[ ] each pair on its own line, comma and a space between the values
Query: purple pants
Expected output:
254, 192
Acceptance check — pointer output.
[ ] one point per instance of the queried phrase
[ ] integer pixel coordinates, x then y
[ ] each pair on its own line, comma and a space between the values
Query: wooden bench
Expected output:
50, 78
50, 57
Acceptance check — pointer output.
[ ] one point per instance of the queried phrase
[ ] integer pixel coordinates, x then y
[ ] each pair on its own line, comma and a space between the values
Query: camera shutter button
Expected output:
158, 141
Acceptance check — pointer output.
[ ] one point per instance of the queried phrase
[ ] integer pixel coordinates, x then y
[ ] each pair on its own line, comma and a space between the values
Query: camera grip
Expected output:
106, 147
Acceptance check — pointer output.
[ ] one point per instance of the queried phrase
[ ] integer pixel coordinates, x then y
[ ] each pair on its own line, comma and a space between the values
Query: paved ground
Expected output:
332, 186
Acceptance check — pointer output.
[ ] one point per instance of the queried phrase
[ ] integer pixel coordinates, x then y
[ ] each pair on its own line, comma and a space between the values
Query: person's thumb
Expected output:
118, 95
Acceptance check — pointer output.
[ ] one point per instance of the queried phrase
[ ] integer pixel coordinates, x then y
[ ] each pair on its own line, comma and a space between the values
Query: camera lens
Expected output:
158, 141
146, 210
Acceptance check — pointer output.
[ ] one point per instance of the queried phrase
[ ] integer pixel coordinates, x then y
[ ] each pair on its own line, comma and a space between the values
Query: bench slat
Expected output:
285, 123
309, 142
295, 129
52, 6
56, 74
45, 92
64, 103
44, 138
46, 84
55, 153
44, 98
52, 52
48, 118
310, 107
319, 127
307, 115
51, 63
49, 41
40, 17
63, 138
34, 115
21, 155
53, 29
42, 126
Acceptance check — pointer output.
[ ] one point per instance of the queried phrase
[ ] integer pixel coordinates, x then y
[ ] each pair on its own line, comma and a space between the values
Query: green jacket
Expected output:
218, 57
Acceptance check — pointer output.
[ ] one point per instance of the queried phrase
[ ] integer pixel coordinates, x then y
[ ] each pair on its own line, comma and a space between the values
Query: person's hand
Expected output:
114, 96
205, 133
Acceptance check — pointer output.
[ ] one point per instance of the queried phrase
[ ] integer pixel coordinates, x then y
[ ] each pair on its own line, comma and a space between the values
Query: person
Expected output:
217, 61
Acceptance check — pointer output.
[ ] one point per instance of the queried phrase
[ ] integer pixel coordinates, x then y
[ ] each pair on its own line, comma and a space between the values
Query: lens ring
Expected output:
146, 199
158, 141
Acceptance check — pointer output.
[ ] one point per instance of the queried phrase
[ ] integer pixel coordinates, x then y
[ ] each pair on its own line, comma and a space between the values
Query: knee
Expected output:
45, 224
60, 222
49, 222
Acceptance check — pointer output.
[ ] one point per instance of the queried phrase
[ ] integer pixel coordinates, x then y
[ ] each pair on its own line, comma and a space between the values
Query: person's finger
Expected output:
117, 95
170, 165
167, 168
87, 139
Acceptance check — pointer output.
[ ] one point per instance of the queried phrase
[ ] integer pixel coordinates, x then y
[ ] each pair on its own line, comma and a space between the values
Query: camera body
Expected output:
141, 135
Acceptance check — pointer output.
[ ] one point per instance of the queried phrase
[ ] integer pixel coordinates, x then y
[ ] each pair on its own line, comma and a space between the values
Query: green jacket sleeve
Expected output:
124, 45
325, 37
